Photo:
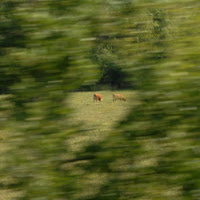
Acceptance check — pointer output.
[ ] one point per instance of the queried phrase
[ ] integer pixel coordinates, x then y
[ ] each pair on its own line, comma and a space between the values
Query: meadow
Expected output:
99, 116
97, 119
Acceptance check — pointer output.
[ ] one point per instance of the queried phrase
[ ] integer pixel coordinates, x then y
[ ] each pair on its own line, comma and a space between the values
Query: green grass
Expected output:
100, 116
97, 119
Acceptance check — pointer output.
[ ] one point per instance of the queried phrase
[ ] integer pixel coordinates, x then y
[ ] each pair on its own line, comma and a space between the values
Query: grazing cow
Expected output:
118, 96
97, 97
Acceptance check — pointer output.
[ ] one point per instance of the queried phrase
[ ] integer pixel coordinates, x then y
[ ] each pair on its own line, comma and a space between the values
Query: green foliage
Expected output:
45, 64
111, 74
153, 153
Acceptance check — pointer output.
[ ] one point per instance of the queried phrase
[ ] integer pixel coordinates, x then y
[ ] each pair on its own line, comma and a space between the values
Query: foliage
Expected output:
107, 57
154, 152
45, 64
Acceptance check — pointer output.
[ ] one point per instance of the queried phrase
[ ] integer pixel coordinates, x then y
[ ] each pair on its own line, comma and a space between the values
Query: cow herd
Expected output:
98, 97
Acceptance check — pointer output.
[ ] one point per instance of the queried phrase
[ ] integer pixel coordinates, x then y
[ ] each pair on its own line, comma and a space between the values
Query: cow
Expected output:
97, 97
118, 96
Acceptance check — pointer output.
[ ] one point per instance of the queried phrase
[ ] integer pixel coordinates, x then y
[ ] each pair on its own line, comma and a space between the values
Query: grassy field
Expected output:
96, 119
99, 116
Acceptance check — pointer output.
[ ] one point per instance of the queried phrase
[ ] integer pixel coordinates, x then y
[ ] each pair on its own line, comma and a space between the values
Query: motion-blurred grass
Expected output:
96, 119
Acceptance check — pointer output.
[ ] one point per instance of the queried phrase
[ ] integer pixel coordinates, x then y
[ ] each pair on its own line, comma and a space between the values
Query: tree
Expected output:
106, 55
12, 35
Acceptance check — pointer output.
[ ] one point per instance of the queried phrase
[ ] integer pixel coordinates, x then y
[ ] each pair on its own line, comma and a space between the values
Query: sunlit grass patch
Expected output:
100, 115
96, 119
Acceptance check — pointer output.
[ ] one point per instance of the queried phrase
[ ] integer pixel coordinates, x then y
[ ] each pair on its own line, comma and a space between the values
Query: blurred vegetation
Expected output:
50, 48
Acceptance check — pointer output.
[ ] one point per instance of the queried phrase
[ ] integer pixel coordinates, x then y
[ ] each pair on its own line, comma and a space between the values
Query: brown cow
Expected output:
118, 96
97, 97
